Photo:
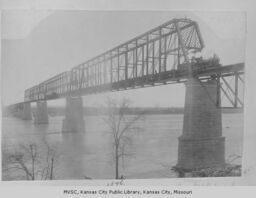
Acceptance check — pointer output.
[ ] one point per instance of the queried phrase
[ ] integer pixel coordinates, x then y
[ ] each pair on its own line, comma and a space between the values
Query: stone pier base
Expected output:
201, 145
74, 119
41, 113
201, 153
26, 112
18, 112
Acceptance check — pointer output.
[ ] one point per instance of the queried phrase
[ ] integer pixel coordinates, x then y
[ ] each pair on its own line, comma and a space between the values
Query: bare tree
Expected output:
120, 126
32, 162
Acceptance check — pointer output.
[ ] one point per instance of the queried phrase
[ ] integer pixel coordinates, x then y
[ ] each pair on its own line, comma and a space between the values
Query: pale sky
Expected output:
37, 45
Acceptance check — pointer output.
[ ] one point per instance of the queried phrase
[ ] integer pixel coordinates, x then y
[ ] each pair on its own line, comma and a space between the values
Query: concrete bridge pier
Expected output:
18, 111
22, 111
41, 113
74, 119
26, 113
201, 145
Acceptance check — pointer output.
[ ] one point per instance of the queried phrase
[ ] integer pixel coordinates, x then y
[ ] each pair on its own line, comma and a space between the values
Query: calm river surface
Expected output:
153, 150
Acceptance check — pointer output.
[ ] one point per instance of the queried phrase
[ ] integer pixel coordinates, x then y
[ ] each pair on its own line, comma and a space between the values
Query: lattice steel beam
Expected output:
148, 54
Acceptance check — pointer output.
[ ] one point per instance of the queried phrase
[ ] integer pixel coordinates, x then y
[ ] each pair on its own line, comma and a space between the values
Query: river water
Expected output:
153, 149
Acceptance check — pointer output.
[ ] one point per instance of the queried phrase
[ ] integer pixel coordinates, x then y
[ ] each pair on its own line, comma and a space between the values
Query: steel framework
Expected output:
153, 53
232, 91
153, 58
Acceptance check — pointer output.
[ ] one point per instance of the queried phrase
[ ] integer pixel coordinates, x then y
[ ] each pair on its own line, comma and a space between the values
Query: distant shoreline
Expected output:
60, 111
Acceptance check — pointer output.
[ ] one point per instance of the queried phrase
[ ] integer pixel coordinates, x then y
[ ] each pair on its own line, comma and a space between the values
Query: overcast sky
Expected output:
37, 45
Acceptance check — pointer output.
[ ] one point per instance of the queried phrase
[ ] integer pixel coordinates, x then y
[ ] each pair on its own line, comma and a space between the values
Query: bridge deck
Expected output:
153, 80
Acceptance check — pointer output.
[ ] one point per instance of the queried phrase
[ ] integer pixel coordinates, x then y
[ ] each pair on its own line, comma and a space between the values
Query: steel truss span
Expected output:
137, 61
160, 56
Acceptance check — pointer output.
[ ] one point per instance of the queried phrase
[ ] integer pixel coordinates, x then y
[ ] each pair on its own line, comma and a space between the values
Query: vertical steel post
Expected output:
236, 89
133, 63
118, 66
126, 63
153, 58
147, 53
160, 50
178, 56
165, 53
81, 71
95, 74
136, 58
99, 73
105, 69
70, 82
111, 68
142, 73
183, 48
218, 102
61, 85
87, 76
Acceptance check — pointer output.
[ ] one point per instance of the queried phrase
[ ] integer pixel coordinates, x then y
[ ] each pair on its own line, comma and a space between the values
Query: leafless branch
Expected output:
31, 162
120, 125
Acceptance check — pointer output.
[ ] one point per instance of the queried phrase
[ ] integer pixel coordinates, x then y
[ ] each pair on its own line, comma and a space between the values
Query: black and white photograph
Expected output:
121, 95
